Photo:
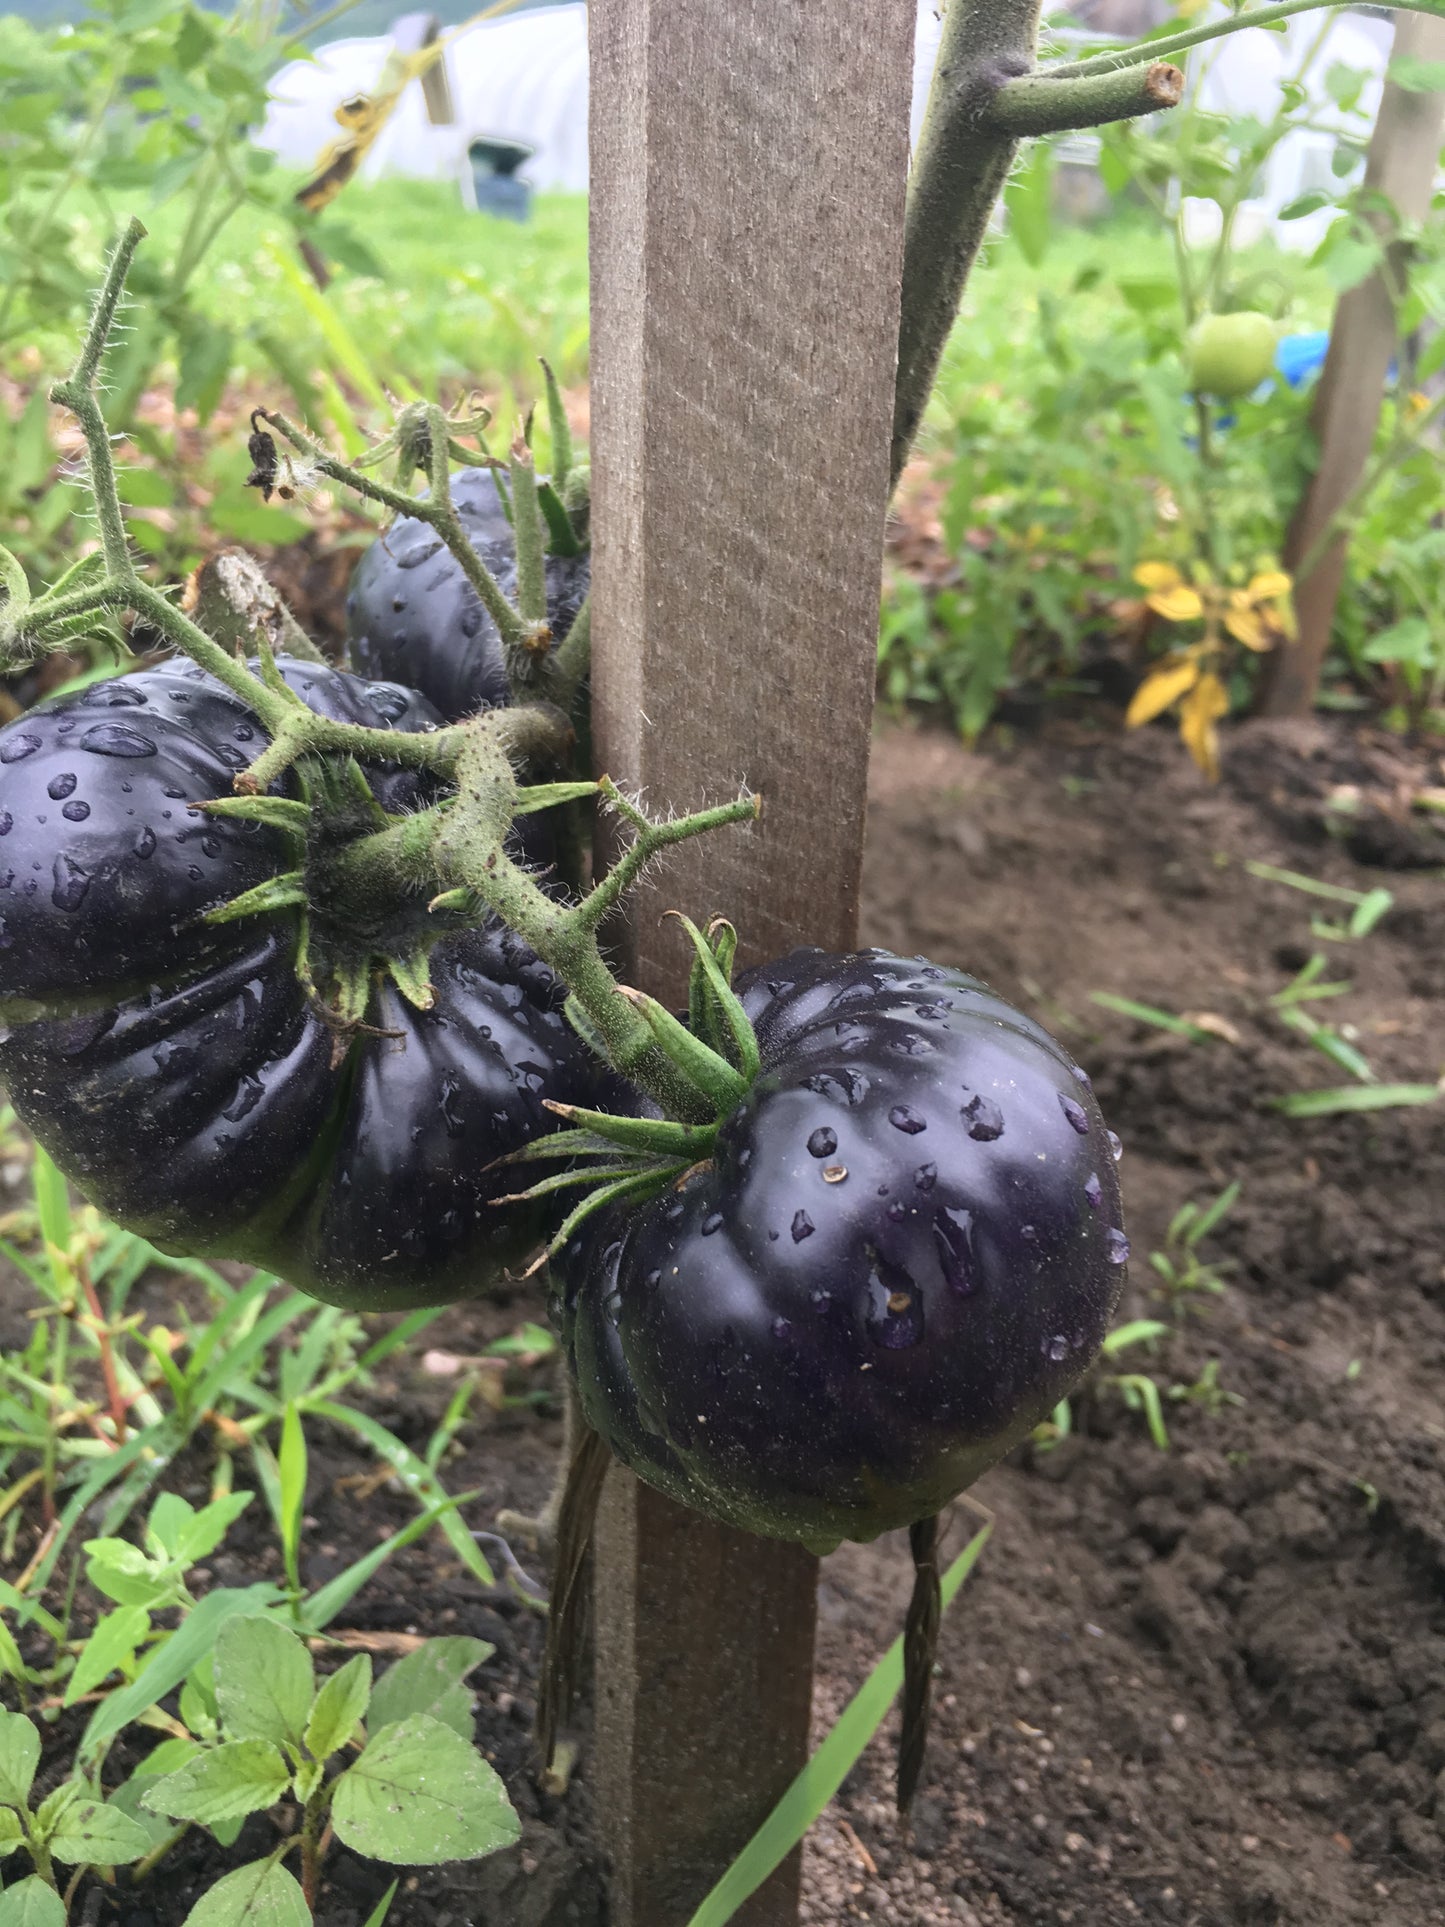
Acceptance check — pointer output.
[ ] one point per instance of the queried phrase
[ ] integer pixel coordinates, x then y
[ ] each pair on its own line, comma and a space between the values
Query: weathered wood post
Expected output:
1401, 168
748, 173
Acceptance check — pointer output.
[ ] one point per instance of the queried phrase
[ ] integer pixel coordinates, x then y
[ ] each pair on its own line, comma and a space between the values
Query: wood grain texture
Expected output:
748, 170
1401, 166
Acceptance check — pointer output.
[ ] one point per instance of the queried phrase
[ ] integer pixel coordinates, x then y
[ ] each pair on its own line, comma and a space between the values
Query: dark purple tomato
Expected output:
182, 1075
905, 1250
413, 615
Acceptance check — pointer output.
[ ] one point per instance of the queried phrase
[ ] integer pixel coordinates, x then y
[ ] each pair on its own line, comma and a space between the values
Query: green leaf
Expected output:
264, 1681
1028, 198
19, 1757
143, 488
261, 1895
111, 1648
195, 1636
92, 1834
225, 1783
235, 512
339, 1706
419, 1795
11, 1831
821, 1778
208, 1527
205, 361
1150, 1014
378, 1914
14, 582
1356, 1097
123, 1572
430, 1681
322, 1607
31, 1904
416, 1476
1418, 76
292, 1496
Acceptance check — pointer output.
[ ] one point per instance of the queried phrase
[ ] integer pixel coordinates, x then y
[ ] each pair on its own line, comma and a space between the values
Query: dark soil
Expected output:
1203, 1686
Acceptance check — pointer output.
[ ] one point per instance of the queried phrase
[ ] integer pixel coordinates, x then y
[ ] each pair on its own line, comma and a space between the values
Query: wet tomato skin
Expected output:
412, 614
906, 1250
179, 1072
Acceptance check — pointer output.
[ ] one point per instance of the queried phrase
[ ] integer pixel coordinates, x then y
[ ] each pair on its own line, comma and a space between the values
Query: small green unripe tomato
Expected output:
1230, 354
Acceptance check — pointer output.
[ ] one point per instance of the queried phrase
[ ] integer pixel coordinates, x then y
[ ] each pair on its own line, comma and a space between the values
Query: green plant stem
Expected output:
572, 659
1400, 445
437, 515
144, 1868
959, 171
527, 534
1167, 45
1041, 104
313, 1827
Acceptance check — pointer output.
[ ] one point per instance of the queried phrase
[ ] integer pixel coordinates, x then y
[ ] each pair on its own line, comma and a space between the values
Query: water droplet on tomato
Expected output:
145, 843
1117, 1246
985, 1119
420, 552
71, 883
7, 822
894, 1317
904, 1119
1029, 1233
1116, 1145
712, 1222
1074, 1111
823, 1143
803, 1227
60, 786
16, 748
451, 1088
953, 1237
925, 1177
1055, 1349
249, 1093
114, 739
897, 1211
782, 1327
76, 811
1093, 1191
1083, 1076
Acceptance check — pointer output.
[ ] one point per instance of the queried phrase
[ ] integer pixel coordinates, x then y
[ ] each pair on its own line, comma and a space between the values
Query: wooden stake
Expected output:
1404, 153
748, 171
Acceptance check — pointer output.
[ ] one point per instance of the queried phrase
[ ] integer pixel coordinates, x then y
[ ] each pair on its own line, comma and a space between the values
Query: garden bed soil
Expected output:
1203, 1686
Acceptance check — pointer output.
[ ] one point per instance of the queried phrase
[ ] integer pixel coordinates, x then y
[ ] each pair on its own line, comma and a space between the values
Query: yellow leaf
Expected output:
1158, 576
1248, 626
1206, 702
1268, 586
1177, 605
1159, 689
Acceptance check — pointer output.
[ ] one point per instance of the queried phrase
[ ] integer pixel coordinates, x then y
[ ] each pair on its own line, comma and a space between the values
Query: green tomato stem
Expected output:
437, 512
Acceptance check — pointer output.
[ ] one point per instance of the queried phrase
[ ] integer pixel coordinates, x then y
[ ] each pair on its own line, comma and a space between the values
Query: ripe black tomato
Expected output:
180, 1072
905, 1250
413, 615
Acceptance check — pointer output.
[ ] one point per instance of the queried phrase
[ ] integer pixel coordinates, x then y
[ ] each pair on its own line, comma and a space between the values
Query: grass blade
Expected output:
1355, 1097
1150, 1014
418, 1478
821, 1778
1335, 892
